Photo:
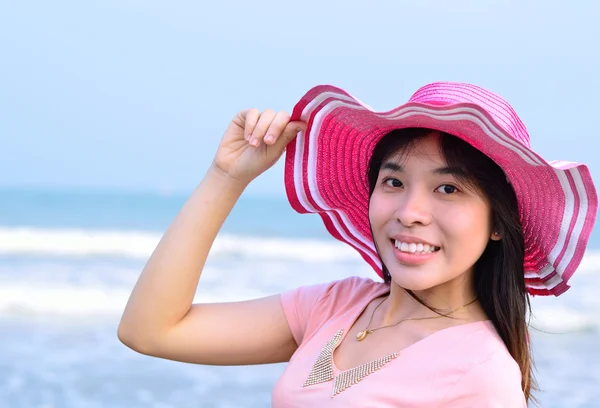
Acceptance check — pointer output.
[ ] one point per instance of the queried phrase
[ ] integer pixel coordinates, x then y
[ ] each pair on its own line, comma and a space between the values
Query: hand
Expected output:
254, 142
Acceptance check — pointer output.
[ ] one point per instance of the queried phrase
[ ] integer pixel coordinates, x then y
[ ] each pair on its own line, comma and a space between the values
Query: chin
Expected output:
410, 283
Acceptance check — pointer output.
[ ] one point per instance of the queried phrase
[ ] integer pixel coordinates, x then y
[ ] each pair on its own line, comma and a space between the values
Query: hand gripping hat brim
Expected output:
326, 167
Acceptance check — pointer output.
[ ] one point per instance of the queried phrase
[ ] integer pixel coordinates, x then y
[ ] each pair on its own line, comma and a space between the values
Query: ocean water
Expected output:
68, 261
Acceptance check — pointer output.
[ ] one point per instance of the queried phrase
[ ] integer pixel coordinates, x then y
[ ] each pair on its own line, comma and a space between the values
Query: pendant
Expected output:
362, 334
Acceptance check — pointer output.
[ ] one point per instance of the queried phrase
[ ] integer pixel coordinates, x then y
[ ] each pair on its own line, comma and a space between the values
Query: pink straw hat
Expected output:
326, 167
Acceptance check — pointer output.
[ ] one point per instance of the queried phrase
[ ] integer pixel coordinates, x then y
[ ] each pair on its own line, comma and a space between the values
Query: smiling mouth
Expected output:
415, 248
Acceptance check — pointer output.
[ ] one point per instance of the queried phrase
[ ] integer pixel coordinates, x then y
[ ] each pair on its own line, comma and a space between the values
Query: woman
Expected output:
442, 196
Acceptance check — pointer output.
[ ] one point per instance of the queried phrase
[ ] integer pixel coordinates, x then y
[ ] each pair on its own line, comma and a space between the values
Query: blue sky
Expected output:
135, 95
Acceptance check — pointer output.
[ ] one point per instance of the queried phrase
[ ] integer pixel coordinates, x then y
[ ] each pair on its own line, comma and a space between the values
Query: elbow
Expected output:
141, 340
133, 338
125, 334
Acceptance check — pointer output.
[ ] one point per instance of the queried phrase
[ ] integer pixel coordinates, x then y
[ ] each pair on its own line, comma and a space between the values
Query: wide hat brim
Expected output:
326, 167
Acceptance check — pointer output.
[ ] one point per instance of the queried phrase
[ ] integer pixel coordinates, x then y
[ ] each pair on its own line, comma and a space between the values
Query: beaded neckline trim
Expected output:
322, 370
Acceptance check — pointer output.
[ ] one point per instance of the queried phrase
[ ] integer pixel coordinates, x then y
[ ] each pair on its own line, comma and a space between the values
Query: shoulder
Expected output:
308, 307
490, 377
490, 353
337, 293
349, 291
494, 382
488, 341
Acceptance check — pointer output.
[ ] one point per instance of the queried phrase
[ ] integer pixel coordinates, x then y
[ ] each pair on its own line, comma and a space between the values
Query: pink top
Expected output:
459, 367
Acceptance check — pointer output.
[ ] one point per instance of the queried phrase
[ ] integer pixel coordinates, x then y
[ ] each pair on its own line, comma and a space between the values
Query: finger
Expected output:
289, 133
276, 128
261, 127
251, 117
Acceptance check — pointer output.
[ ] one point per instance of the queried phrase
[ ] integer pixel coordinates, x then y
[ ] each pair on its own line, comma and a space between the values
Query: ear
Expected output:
496, 236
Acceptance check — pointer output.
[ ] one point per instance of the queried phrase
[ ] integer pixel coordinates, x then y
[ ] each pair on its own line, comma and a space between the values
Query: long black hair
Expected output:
499, 275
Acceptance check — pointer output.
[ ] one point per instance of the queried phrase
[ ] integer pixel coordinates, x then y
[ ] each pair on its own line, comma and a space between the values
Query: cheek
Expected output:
472, 223
380, 212
376, 209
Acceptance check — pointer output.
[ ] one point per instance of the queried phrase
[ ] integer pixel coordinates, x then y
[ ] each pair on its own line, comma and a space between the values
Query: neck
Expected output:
457, 304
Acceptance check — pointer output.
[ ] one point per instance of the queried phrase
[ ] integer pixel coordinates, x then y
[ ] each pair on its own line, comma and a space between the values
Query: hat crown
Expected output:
447, 93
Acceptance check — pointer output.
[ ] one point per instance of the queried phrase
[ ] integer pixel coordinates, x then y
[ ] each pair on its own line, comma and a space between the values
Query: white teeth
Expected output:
415, 248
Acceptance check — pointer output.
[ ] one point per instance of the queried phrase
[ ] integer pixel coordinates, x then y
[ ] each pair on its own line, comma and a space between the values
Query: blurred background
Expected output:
110, 112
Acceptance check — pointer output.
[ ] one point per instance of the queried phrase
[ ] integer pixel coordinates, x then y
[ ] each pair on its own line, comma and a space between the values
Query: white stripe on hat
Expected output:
482, 121
356, 238
573, 239
542, 274
300, 140
581, 216
566, 220
547, 285
506, 115
562, 164
490, 129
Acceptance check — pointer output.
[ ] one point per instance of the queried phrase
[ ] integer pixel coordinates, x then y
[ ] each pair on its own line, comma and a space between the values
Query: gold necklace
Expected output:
364, 333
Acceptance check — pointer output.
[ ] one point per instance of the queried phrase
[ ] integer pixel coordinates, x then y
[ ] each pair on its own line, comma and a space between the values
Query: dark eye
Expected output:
392, 182
447, 189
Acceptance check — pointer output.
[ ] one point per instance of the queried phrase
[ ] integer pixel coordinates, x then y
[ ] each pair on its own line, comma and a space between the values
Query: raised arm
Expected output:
160, 319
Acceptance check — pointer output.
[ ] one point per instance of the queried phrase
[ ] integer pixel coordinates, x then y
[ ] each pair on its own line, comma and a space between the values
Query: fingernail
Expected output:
269, 138
254, 142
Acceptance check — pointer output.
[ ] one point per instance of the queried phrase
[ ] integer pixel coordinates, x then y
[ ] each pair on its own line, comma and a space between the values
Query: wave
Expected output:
140, 244
80, 303
28, 299
562, 319
30, 292
24, 298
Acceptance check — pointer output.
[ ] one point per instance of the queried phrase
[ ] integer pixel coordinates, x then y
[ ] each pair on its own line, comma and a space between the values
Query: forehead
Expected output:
425, 149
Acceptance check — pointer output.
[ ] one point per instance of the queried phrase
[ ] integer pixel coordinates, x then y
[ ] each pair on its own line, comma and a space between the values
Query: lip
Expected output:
409, 239
407, 258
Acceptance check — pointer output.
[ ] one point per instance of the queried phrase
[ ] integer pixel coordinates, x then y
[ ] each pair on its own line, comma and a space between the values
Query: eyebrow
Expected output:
441, 171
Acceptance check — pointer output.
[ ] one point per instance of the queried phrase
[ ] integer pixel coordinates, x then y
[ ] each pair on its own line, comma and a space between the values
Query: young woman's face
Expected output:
429, 228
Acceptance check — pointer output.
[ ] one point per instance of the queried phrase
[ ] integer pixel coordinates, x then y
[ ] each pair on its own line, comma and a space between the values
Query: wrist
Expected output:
224, 180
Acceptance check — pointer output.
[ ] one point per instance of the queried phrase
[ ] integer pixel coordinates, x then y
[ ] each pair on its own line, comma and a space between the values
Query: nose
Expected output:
413, 208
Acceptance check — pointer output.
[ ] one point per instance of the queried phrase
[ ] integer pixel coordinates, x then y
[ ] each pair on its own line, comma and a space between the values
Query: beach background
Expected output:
110, 113
68, 261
